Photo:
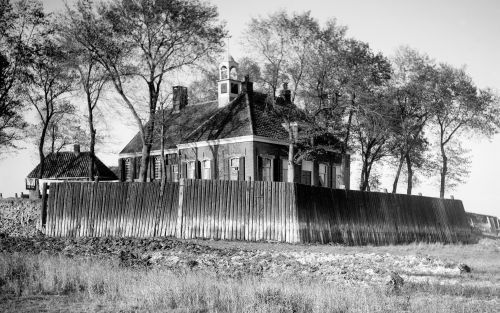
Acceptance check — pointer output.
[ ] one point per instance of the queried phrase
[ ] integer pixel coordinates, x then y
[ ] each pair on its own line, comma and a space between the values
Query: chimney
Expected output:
286, 94
76, 149
247, 85
180, 97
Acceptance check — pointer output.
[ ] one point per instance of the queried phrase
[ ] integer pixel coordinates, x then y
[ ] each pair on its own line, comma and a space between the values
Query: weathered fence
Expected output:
241, 210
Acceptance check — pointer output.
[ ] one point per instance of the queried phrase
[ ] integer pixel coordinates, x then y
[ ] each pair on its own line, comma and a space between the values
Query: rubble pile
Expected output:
181, 255
20, 217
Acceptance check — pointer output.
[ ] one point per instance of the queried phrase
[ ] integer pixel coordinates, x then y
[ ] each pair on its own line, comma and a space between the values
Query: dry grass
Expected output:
57, 283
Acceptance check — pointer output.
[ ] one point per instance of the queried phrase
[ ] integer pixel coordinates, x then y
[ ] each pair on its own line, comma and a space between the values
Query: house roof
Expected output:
70, 165
248, 114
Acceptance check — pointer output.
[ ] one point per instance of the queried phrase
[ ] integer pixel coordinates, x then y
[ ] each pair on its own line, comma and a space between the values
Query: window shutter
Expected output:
197, 169
333, 178
226, 169
315, 174
133, 163
121, 166
149, 176
241, 169
277, 169
297, 173
183, 170
213, 170
259, 168
168, 172
137, 167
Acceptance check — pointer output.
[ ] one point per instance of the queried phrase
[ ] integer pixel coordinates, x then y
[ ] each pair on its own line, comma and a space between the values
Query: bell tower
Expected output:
228, 84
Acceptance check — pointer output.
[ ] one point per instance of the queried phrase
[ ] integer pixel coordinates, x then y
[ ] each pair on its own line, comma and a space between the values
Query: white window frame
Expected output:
191, 169
270, 168
175, 172
234, 169
206, 172
325, 174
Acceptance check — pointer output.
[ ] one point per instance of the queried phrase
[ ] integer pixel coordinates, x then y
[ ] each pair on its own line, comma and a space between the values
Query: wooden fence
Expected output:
241, 210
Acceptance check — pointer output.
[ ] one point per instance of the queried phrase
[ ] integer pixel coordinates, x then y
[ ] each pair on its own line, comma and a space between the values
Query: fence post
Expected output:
178, 226
44, 204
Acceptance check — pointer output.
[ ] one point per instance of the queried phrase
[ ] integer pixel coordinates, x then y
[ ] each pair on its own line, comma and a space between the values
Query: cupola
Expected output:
228, 85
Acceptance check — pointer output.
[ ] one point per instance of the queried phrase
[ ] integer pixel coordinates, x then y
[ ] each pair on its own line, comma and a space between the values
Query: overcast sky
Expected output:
458, 32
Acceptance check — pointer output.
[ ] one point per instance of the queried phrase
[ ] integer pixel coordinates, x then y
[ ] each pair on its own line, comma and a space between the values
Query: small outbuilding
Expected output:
66, 166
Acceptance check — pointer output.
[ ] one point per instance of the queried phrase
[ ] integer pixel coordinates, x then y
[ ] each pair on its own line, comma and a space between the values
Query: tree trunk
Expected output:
40, 149
291, 168
410, 175
92, 138
398, 172
148, 134
162, 153
363, 183
444, 172
345, 146
53, 139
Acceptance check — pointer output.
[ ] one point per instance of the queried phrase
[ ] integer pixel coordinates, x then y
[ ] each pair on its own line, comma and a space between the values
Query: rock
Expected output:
192, 263
464, 268
395, 282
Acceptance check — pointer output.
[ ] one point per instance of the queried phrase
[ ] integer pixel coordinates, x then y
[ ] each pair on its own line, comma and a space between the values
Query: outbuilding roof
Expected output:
71, 165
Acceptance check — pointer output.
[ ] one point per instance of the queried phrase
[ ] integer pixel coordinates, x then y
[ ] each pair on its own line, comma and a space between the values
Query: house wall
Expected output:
222, 153
252, 152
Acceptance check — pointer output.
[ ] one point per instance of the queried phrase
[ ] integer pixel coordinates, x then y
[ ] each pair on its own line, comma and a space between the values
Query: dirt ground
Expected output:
444, 266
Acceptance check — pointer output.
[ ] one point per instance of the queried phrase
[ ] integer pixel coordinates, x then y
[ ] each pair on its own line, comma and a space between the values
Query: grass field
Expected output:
47, 282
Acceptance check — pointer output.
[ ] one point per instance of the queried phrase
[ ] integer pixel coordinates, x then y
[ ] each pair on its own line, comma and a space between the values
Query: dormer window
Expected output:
234, 88
223, 73
233, 73
223, 88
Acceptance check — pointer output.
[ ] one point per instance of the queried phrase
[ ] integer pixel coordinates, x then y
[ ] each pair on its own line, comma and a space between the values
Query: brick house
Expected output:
66, 166
236, 137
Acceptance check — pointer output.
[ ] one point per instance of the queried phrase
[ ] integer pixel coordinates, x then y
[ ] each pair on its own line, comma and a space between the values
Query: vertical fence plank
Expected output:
241, 210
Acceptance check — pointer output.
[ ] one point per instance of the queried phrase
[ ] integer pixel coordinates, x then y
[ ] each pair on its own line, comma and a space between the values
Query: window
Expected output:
233, 73
323, 177
266, 169
206, 171
128, 169
284, 170
157, 167
223, 88
175, 172
234, 88
223, 72
191, 170
339, 178
306, 175
234, 165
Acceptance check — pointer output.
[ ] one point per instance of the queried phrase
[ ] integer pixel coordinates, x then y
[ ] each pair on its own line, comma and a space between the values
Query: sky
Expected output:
458, 32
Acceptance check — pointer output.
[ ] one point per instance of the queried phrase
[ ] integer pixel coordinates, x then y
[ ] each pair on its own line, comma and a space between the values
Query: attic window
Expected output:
223, 73
223, 88
234, 88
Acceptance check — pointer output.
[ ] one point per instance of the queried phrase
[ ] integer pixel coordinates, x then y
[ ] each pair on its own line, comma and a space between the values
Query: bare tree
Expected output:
460, 107
46, 82
145, 40
92, 75
410, 91
20, 23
